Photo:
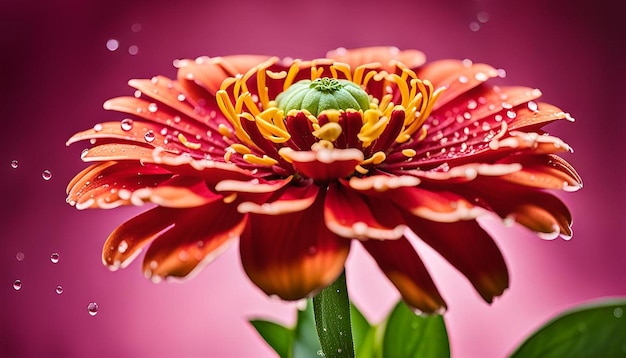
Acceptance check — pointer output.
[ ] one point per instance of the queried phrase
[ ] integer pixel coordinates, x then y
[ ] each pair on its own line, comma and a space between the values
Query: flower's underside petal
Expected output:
433, 205
543, 171
137, 134
386, 56
536, 115
468, 248
348, 214
404, 268
197, 237
294, 255
292, 199
456, 76
205, 75
127, 241
324, 165
539, 211
111, 184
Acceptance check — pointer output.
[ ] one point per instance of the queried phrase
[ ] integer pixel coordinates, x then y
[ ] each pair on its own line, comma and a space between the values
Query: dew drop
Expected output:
152, 107
532, 105
482, 17
122, 247
135, 27
463, 79
46, 175
180, 97
14, 164
481, 76
59, 290
149, 136
511, 114
471, 104
17, 285
339, 350
19, 256
126, 124
92, 308
54, 258
474, 26
97, 127
112, 44
501, 72
133, 50
618, 312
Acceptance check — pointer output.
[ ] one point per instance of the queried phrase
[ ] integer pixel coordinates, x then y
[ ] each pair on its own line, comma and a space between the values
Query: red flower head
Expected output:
296, 158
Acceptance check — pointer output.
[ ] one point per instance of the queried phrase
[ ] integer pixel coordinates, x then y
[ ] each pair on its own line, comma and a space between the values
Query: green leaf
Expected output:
596, 330
360, 328
278, 337
410, 335
306, 343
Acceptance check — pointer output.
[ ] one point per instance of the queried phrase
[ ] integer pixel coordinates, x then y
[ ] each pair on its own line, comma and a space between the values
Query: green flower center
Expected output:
323, 94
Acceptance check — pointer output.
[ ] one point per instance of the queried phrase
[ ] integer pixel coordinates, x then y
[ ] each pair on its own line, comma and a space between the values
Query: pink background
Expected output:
56, 71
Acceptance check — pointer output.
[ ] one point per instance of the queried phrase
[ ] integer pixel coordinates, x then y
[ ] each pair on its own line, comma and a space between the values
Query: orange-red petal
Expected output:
293, 255
324, 165
404, 268
385, 55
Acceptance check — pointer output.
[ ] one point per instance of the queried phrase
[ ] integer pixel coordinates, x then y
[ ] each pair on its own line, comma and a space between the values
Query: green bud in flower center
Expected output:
322, 94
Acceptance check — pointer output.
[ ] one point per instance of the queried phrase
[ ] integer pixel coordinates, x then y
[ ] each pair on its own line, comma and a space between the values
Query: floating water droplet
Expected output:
17, 285
474, 26
126, 124
54, 258
149, 136
92, 308
618, 312
46, 175
59, 290
112, 44
133, 50
482, 16
135, 27
152, 107
14, 164
19, 256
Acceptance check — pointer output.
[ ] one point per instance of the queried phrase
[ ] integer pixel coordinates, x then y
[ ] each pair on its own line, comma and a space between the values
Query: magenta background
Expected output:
56, 72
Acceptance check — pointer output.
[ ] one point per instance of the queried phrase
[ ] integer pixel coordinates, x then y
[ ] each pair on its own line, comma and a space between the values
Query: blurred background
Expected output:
60, 60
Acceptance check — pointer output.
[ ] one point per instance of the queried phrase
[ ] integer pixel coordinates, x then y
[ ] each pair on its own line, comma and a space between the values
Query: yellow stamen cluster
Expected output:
238, 105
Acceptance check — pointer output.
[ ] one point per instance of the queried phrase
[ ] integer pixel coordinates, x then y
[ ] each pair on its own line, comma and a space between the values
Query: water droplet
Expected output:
471, 104
618, 312
133, 50
19, 256
180, 97
149, 136
463, 79
501, 72
532, 105
339, 350
59, 290
112, 44
483, 17
92, 308
126, 124
135, 27
54, 258
481, 76
14, 164
474, 26
122, 247
152, 107
17, 285
511, 114
46, 175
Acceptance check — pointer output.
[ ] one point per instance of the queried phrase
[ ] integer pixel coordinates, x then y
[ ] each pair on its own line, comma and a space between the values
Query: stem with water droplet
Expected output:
332, 319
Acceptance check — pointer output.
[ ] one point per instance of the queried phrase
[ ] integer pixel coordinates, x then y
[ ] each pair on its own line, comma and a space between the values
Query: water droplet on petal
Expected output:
463, 79
532, 105
152, 107
14, 164
481, 76
59, 290
97, 127
112, 44
54, 258
92, 308
19, 256
17, 285
122, 247
149, 136
46, 175
511, 114
126, 124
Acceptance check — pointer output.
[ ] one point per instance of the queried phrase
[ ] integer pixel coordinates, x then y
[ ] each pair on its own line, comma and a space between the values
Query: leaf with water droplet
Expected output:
592, 330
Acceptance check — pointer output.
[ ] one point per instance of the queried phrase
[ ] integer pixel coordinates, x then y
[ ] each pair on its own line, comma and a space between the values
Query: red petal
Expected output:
292, 199
324, 165
197, 237
293, 255
404, 268
543, 171
347, 214
468, 248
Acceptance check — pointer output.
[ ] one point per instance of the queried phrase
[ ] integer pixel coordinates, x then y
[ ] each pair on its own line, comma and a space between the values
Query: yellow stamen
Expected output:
375, 159
230, 198
410, 153
291, 75
361, 170
341, 67
187, 143
276, 75
329, 131
265, 160
240, 148
224, 130
360, 70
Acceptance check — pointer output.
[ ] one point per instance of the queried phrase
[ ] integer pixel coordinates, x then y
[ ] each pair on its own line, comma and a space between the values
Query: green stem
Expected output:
332, 319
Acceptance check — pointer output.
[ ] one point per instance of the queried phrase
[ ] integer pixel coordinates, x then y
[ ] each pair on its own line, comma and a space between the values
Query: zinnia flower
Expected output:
298, 159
